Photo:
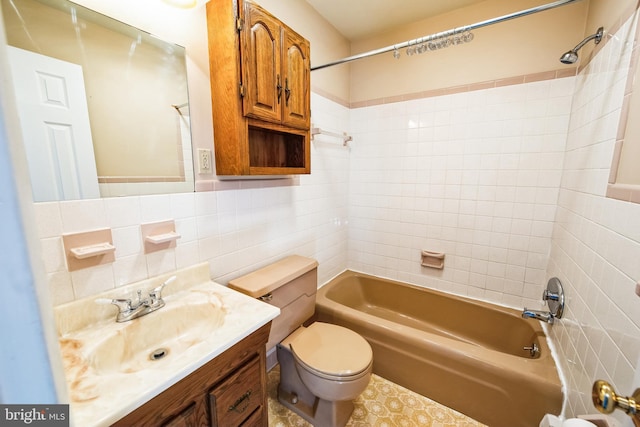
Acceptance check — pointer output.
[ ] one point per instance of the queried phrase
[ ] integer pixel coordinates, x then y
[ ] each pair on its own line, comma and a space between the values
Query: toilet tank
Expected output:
290, 284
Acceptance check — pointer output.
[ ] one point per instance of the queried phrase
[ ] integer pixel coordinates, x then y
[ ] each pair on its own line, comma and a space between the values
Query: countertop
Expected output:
101, 398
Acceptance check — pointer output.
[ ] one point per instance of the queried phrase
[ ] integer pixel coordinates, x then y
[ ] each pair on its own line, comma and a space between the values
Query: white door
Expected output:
54, 118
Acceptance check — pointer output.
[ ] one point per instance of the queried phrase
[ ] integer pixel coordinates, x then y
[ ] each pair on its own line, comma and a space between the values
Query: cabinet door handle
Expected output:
279, 87
241, 404
287, 91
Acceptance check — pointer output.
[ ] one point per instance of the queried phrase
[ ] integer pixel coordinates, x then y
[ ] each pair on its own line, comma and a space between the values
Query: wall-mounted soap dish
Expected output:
433, 260
158, 236
88, 249
157, 239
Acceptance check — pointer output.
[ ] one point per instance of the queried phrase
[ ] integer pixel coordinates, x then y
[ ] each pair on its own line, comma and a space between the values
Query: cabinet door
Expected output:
296, 70
262, 80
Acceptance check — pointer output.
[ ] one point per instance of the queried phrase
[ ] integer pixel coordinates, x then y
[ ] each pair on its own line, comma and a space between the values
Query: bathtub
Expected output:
465, 354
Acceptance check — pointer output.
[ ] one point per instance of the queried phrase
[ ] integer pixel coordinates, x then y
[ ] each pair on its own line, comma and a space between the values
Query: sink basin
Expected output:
148, 340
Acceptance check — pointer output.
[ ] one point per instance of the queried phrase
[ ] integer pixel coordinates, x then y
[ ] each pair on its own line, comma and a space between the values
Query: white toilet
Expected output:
323, 367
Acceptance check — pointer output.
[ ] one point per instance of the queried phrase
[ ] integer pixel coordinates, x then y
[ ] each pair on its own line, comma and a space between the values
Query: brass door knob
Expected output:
606, 400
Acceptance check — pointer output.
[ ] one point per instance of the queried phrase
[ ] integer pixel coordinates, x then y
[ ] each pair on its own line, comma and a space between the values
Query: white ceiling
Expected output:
357, 19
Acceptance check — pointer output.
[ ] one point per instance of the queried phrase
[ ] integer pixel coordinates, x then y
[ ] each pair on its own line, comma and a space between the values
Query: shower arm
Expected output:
448, 33
598, 36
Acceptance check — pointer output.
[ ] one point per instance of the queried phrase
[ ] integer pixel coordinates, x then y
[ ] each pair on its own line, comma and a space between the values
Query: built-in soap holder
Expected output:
433, 259
162, 238
88, 249
158, 236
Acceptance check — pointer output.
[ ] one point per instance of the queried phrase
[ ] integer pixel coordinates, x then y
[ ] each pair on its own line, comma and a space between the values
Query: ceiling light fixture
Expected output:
183, 4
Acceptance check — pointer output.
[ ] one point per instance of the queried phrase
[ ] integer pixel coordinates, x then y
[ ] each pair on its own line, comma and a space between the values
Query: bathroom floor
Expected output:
383, 404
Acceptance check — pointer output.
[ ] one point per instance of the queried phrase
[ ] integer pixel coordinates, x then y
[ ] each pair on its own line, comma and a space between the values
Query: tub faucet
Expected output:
129, 310
545, 316
554, 297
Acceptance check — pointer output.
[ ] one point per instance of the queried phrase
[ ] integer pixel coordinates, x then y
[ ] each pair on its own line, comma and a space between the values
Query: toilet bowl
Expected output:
333, 362
323, 367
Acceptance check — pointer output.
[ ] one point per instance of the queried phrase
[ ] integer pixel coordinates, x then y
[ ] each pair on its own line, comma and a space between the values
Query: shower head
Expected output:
570, 57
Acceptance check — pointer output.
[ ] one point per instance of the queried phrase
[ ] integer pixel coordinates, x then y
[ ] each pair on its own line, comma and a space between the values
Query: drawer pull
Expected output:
241, 404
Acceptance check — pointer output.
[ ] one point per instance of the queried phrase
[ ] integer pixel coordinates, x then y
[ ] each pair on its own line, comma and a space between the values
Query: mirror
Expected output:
624, 177
103, 106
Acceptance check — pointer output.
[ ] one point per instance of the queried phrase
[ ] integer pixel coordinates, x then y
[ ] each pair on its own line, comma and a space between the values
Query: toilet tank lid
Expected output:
266, 279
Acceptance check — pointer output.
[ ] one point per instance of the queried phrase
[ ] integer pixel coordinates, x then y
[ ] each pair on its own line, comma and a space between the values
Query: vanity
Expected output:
199, 360
227, 391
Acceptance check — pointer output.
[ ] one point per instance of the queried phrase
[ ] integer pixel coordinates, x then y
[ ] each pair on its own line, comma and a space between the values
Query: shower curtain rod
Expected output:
448, 33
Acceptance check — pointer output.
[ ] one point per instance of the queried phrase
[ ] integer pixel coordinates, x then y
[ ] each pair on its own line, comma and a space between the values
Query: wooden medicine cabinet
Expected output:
260, 88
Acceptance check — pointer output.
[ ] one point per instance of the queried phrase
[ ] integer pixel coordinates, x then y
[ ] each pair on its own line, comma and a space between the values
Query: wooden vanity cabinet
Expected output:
260, 88
228, 391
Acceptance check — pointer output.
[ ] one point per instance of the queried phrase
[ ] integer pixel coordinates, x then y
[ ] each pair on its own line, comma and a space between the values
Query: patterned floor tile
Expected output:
382, 404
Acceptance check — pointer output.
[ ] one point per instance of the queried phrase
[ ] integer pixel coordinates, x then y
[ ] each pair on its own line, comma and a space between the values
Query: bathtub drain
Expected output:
158, 354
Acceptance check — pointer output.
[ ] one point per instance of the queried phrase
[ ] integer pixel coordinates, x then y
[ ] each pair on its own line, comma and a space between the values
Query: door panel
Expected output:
55, 126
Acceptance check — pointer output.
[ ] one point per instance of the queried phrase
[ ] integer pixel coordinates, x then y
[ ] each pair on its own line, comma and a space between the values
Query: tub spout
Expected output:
545, 316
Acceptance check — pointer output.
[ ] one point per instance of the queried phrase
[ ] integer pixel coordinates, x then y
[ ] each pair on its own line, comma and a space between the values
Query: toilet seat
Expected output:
331, 351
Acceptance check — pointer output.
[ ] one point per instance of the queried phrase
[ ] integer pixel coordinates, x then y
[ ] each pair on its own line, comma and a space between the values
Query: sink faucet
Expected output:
545, 316
128, 310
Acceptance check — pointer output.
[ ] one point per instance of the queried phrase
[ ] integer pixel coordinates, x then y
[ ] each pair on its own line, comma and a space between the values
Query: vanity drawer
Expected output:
237, 397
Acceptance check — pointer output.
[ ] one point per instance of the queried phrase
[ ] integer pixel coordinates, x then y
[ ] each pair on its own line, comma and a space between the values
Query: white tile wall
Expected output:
235, 230
475, 175
596, 241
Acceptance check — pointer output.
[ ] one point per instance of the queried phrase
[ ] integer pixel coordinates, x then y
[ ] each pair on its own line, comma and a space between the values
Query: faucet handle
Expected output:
548, 295
156, 293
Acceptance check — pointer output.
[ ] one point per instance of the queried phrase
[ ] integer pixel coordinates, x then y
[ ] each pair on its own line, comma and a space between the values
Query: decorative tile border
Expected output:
240, 183
509, 81
490, 84
139, 179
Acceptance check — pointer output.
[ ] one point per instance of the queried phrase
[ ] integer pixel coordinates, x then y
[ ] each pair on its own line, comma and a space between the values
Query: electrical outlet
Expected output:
204, 160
